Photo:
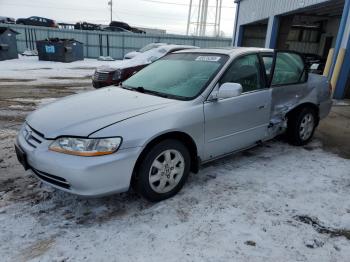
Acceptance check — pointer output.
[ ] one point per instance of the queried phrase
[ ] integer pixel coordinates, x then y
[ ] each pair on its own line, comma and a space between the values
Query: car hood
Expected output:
106, 68
83, 114
129, 63
132, 54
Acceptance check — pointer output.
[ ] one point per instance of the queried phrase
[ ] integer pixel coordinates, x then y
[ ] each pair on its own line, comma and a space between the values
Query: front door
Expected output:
235, 123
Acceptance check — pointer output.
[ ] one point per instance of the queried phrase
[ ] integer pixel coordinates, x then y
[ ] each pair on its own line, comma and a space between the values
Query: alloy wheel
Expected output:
307, 126
166, 171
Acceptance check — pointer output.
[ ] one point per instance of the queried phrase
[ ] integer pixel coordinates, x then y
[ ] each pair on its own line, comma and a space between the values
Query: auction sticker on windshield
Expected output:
208, 58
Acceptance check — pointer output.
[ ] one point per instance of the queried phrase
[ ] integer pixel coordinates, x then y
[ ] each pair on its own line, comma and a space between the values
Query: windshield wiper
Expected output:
138, 89
141, 89
156, 93
126, 87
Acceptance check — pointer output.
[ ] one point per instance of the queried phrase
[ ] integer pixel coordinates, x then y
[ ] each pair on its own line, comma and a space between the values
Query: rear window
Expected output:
289, 69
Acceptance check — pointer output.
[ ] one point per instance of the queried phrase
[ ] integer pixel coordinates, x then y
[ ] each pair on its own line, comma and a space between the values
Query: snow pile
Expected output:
30, 68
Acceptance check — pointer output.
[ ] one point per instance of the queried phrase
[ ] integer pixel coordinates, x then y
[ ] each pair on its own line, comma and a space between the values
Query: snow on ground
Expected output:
30, 70
272, 203
242, 208
341, 103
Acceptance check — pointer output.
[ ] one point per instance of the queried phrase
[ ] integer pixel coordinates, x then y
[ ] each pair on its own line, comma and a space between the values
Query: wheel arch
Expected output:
185, 138
305, 105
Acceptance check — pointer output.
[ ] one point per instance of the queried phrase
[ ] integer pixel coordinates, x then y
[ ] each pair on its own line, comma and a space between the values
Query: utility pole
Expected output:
189, 18
203, 10
219, 18
110, 3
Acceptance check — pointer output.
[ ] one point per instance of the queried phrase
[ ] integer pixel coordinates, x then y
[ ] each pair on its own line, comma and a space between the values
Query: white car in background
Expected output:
146, 48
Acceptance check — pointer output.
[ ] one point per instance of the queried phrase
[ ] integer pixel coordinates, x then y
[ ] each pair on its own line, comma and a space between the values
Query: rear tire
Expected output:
163, 170
301, 126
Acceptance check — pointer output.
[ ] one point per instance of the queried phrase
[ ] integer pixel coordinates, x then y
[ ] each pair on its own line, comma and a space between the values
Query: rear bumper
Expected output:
325, 108
84, 176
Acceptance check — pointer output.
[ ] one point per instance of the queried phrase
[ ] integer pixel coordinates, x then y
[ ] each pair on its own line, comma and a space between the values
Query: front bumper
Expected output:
102, 79
99, 84
84, 176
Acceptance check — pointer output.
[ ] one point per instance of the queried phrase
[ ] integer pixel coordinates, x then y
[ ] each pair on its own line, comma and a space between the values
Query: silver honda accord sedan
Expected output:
188, 108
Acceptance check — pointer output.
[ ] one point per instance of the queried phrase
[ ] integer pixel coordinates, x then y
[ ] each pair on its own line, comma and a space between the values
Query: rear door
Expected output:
288, 80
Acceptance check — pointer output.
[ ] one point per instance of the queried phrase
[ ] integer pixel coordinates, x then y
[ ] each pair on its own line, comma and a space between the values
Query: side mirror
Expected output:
228, 90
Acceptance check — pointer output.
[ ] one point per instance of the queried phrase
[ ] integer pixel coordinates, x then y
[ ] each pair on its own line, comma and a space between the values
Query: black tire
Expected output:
142, 184
96, 85
295, 120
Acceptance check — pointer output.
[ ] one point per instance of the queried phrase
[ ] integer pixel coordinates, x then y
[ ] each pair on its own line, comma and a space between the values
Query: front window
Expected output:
245, 70
181, 76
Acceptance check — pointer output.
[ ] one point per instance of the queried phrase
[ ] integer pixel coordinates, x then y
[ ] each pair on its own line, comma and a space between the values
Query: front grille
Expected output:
55, 180
32, 137
101, 76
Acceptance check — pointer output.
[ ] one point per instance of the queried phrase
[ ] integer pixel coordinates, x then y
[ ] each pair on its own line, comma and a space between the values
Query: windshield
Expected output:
181, 76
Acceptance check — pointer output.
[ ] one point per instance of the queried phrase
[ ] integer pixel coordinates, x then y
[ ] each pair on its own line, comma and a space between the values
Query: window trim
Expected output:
263, 68
302, 72
261, 56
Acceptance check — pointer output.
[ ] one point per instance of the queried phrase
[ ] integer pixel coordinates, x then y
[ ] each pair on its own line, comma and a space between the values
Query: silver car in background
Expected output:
188, 108
146, 48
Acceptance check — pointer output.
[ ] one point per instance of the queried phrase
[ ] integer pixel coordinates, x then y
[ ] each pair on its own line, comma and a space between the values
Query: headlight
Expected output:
86, 147
118, 74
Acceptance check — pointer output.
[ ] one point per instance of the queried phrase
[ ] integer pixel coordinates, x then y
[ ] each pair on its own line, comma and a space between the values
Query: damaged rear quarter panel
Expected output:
287, 97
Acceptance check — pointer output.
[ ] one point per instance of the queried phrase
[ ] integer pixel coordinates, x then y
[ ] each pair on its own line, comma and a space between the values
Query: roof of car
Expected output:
226, 50
170, 47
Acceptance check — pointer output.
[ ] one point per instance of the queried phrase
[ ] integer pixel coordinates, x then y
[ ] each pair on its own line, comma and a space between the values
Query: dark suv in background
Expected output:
126, 27
37, 21
86, 26
115, 29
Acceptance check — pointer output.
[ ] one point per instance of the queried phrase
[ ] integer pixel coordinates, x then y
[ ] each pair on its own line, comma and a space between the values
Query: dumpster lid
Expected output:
61, 40
4, 29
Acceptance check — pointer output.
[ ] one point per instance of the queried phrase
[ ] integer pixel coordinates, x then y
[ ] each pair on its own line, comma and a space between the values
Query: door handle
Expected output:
261, 107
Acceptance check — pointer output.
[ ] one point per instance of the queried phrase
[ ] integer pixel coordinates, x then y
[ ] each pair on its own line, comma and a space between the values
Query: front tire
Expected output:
96, 85
301, 126
163, 170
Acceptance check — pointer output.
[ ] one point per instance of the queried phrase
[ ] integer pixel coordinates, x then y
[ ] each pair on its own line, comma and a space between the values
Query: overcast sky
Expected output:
164, 14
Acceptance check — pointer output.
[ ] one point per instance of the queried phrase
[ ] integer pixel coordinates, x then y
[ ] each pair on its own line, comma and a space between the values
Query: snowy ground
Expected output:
272, 203
31, 71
